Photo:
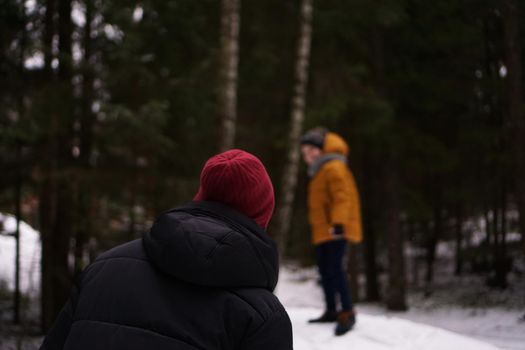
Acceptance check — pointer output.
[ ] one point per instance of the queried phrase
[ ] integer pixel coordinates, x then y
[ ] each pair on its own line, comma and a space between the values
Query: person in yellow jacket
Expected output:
335, 219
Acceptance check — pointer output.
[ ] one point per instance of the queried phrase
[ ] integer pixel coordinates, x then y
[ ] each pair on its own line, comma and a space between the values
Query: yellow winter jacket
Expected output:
333, 197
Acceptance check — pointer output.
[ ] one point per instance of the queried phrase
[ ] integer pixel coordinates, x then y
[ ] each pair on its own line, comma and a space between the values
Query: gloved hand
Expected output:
337, 230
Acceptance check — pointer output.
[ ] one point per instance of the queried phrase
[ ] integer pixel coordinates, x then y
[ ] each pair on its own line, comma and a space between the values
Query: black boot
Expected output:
327, 317
345, 322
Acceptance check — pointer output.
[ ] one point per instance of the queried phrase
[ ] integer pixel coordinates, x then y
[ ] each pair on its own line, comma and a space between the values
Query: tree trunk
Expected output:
65, 31
500, 260
55, 222
48, 186
289, 180
132, 233
56, 196
18, 152
353, 270
81, 236
18, 213
482, 261
230, 25
46, 218
49, 32
396, 297
515, 103
369, 243
459, 240
432, 242
87, 119
370, 172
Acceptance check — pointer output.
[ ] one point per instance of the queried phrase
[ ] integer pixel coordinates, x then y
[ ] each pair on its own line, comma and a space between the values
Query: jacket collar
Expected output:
314, 168
224, 213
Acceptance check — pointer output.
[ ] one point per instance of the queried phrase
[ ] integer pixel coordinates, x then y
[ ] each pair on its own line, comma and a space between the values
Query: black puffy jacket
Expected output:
201, 278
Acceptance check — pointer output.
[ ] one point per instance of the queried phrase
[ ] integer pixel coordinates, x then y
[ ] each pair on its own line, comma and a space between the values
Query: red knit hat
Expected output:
238, 179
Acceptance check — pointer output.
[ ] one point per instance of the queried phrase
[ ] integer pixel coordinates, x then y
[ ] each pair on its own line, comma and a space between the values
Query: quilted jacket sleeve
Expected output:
275, 334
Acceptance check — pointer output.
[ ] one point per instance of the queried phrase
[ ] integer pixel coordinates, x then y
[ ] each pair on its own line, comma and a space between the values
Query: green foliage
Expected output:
409, 75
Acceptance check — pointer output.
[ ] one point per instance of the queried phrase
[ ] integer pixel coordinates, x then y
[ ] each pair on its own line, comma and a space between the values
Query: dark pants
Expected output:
333, 277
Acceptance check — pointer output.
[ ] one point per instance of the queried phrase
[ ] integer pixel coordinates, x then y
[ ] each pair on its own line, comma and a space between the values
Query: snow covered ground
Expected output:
430, 324
421, 328
29, 255
377, 333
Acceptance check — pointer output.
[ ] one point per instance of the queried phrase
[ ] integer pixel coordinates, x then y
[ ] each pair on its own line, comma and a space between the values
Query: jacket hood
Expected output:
334, 143
210, 244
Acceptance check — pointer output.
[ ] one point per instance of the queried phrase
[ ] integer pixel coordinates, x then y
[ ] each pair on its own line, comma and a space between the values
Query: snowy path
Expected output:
374, 330
302, 298
376, 333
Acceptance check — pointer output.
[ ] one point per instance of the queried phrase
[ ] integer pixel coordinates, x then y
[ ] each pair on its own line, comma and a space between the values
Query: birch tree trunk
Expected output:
289, 180
230, 25
515, 103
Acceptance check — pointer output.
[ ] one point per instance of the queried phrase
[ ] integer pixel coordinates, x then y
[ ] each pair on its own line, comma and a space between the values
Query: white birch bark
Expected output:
230, 25
289, 180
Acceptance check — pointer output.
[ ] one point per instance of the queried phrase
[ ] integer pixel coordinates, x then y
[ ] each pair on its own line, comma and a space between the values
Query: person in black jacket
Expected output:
201, 278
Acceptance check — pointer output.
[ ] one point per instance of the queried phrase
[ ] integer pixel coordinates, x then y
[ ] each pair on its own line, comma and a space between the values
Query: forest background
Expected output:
110, 108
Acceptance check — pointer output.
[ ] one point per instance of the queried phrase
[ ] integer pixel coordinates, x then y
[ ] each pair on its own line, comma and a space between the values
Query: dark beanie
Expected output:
239, 180
314, 137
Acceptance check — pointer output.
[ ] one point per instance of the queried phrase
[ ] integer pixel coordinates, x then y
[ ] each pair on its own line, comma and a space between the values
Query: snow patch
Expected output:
30, 253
